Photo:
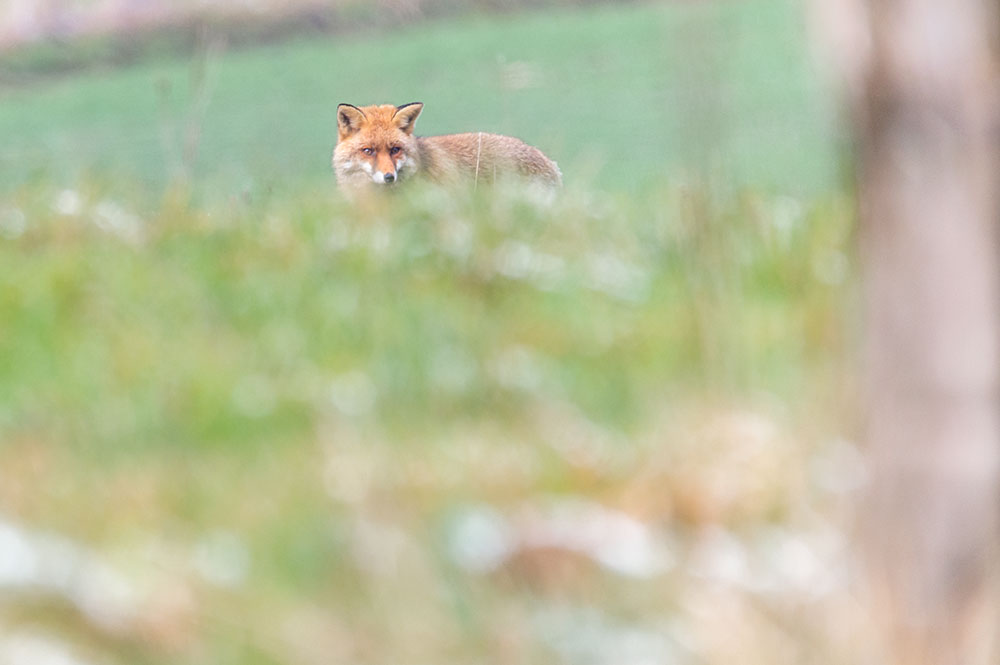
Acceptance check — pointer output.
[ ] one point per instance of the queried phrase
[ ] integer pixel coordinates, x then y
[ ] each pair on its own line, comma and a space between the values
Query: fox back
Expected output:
376, 147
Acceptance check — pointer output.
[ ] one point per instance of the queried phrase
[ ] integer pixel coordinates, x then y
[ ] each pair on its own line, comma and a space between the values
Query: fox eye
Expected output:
368, 151
394, 150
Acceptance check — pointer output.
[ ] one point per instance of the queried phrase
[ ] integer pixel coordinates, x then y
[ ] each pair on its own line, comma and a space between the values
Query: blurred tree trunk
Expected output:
926, 120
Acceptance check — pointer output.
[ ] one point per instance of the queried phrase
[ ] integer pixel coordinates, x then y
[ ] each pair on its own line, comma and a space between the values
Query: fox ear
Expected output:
349, 119
406, 116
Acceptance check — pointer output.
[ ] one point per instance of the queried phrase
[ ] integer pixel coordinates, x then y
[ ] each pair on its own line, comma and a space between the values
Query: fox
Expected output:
376, 148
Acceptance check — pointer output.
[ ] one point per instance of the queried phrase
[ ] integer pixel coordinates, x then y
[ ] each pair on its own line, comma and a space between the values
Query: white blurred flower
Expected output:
68, 203
720, 557
617, 278
111, 218
786, 216
588, 636
46, 563
353, 394
480, 539
36, 649
222, 558
18, 560
773, 561
810, 563
517, 260
615, 540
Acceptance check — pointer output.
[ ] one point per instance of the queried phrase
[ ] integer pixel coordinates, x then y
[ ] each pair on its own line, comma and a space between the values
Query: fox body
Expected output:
376, 148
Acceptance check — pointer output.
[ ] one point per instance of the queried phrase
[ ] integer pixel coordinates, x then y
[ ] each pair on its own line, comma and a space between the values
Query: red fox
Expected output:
376, 147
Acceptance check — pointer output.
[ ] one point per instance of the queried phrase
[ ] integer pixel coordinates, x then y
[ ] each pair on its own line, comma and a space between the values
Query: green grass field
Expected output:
300, 431
621, 97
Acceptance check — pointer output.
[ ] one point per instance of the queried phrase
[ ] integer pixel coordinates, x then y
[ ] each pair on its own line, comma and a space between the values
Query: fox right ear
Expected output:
349, 119
406, 115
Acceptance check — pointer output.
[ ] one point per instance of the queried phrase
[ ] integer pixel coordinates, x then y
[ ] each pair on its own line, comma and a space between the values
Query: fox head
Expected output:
375, 144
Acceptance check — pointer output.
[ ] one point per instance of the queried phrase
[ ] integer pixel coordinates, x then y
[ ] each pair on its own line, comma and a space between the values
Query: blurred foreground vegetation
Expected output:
448, 306
284, 413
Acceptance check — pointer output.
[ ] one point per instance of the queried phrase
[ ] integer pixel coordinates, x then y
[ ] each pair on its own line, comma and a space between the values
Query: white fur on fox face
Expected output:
378, 177
403, 166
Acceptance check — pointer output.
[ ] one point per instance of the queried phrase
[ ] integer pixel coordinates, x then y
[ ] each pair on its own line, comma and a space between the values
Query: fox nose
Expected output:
390, 177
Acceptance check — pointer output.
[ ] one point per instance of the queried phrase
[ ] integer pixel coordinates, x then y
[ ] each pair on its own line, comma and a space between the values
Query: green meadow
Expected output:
293, 429
623, 98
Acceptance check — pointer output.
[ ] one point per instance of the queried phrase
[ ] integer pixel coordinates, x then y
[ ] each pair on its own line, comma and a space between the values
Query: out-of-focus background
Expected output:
239, 98
242, 421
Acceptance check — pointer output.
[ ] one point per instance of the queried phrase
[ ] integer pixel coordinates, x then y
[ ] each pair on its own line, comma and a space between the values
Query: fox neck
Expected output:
435, 161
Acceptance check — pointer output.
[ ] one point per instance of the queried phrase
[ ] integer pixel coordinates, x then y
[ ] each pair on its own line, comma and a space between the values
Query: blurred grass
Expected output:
299, 372
623, 97
195, 328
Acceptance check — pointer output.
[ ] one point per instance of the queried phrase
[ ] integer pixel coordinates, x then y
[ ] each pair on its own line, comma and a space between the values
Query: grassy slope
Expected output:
617, 95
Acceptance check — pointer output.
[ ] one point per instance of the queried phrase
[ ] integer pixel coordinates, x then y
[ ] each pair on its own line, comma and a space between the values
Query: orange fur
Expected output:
376, 146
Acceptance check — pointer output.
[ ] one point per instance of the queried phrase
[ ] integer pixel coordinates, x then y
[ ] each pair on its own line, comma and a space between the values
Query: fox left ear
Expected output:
406, 116
349, 119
